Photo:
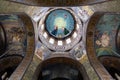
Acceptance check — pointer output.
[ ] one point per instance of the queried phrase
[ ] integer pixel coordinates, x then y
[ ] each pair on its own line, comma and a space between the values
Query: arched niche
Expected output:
102, 40
58, 2
60, 68
18, 37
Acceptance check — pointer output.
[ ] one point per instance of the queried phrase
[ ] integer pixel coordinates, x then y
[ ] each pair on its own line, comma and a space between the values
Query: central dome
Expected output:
59, 23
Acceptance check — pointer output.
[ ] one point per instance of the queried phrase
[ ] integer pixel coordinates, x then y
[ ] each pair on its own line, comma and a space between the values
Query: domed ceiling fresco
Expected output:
60, 23
61, 29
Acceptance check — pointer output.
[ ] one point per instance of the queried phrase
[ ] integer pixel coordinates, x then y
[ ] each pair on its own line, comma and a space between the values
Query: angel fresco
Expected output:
104, 46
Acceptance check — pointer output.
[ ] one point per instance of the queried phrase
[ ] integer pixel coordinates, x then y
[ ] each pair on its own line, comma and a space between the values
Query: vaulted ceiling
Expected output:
59, 2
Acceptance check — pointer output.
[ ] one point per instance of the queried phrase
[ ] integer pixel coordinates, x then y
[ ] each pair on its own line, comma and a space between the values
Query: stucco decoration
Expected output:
80, 16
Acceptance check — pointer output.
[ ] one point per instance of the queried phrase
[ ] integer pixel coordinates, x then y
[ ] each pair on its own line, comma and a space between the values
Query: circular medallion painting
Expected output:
59, 23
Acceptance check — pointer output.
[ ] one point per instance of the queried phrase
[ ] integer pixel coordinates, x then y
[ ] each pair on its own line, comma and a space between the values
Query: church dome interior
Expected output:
59, 40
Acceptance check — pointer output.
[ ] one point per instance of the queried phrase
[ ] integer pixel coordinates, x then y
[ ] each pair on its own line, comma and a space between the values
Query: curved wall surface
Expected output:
102, 41
17, 50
